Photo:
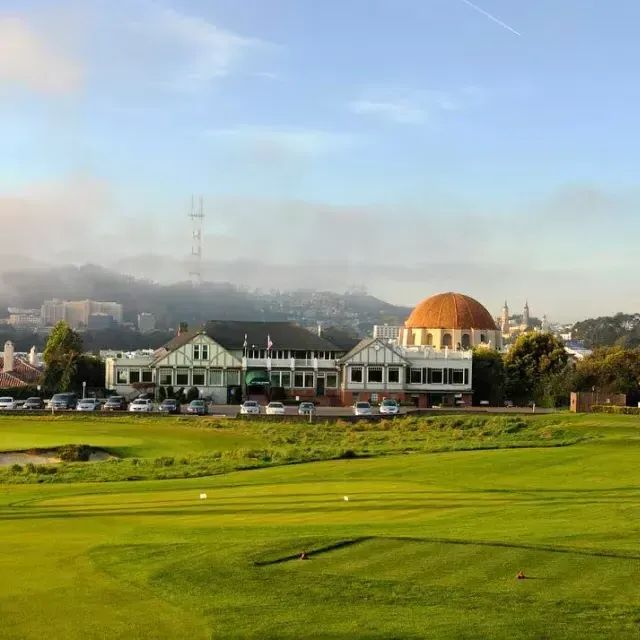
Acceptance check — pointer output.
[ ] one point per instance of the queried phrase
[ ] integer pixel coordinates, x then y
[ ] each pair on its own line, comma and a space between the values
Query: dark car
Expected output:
198, 408
115, 403
64, 401
169, 406
34, 404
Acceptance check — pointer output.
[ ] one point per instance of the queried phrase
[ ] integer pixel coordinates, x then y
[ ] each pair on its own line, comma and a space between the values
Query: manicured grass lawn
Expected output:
428, 545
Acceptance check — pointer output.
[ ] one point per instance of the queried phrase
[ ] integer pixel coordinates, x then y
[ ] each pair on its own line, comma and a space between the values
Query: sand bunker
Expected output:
45, 457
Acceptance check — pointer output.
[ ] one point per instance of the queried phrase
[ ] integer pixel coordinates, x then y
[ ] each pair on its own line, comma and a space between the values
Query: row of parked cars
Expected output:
387, 407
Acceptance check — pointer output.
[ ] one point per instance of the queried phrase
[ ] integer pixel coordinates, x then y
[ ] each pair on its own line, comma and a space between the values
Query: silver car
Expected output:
250, 407
88, 404
362, 409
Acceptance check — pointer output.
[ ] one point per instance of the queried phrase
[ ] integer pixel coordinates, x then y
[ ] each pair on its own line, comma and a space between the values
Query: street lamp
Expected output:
84, 389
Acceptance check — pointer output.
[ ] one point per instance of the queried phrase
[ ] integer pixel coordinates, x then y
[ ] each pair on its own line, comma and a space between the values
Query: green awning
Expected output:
257, 378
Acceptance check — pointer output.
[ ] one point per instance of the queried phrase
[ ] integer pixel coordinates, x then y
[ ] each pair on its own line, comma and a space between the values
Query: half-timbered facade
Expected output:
232, 361
424, 376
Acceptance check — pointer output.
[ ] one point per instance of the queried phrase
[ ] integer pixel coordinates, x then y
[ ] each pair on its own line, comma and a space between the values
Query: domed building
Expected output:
450, 321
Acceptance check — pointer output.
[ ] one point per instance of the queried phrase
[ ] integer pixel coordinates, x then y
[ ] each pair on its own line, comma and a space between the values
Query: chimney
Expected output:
8, 356
33, 357
183, 328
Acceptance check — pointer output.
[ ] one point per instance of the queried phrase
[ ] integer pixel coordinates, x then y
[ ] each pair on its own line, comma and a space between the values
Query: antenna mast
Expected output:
196, 216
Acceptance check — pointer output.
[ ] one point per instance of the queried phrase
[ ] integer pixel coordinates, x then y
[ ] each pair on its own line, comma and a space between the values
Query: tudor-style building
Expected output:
231, 361
424, 376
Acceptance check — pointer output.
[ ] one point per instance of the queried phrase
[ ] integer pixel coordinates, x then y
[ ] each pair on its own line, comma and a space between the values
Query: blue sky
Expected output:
418, 145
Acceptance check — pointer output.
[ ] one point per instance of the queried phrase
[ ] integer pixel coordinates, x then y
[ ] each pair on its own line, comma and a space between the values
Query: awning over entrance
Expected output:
257, 378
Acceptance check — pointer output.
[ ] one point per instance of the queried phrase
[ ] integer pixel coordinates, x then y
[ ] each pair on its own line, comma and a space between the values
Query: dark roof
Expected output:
180, 339
284, 335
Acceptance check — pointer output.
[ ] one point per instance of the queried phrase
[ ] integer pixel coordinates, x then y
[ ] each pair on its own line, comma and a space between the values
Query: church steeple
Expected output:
504, 320
526, 320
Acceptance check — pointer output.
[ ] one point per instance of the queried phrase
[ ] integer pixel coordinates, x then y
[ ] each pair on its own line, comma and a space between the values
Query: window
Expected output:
374, 397
483, 338
447, 340
205, 351
416, 376
275, 378
375, 374
430, 339
233, 377
466, 341
303, 380
147, 376
134, 376
166, 377
393, 375
122, 376
196, 352
285, 379
436, 376
457, 376
356, 374
182, 377
332, 381
199, 377
216, 378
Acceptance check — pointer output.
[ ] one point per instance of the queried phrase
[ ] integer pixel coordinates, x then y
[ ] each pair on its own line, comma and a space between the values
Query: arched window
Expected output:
466, 341
447, 340
411, 338
429, 339
483, 338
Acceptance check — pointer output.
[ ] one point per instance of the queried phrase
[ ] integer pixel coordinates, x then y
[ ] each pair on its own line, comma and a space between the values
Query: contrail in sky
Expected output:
488, 15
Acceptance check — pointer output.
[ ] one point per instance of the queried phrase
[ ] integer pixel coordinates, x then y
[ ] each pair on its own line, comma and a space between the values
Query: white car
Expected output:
7, 404
362, 409
250, 407
141, 406
275, 409
389, 407
88, 404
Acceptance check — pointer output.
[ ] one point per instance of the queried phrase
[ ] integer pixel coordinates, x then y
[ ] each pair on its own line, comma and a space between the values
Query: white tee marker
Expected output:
346, 498
203, 496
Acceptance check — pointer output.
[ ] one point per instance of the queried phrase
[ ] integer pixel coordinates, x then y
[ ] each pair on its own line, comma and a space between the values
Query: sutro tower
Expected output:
197, 217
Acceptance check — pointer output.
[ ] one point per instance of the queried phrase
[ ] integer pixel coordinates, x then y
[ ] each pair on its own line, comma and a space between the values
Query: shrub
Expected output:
15, 468
193, 394
30, 467
610, 408
162, 394
163, 462
348, 454
75, 453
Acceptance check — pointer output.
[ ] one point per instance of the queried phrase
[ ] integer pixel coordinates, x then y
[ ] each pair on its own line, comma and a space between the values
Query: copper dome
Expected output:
450, 311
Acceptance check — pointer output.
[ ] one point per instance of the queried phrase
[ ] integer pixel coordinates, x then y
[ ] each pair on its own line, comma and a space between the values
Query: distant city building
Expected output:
77, 313
146, 322
386, 331
100, 321
24, 318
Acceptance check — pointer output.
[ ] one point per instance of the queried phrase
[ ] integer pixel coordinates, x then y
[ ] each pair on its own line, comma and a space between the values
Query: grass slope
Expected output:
427, 546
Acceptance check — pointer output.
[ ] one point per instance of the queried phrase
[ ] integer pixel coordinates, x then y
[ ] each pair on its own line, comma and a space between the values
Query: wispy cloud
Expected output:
37, 60
491, 17
405, 106
300, 142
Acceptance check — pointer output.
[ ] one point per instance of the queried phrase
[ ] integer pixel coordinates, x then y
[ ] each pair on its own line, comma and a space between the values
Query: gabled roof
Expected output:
365, 344
230, 335
283, 335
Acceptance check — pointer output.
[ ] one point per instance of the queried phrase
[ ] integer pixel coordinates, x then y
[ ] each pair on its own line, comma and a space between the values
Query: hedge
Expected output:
611, 408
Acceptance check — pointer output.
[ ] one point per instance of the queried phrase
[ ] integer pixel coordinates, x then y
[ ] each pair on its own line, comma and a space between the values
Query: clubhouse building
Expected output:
429, 364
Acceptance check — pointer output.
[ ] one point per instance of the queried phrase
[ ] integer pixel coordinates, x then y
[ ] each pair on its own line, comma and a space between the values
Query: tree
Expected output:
610, 369
488, 376
61, 354
534, 365
193, 394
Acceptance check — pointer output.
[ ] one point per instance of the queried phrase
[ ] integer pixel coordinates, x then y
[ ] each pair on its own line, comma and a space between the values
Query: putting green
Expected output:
426, 546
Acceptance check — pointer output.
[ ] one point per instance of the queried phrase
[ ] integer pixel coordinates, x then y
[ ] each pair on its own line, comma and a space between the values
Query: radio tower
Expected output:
197, 217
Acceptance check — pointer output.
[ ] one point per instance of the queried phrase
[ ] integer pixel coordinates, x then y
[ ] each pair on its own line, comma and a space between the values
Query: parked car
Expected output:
88, 404
389, 407
197, 408
34, 404
170, 405
306, 408
7, 404
250, 407
141, 406
115, 403
275, 409
64, 401
362, 409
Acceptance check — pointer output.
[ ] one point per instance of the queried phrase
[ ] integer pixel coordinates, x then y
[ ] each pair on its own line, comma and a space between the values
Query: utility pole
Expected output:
196, 215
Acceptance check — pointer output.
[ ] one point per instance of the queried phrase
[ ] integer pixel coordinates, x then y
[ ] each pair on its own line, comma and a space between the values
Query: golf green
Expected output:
426, 546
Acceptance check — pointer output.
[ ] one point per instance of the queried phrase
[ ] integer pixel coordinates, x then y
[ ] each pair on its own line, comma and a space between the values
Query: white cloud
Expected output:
276, 142
406, 106
34, 59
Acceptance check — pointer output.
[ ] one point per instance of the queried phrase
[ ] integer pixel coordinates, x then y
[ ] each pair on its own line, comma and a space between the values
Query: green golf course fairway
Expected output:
427, 546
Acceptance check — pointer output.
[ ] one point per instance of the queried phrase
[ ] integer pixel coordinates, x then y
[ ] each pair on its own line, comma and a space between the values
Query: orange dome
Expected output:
450, 311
